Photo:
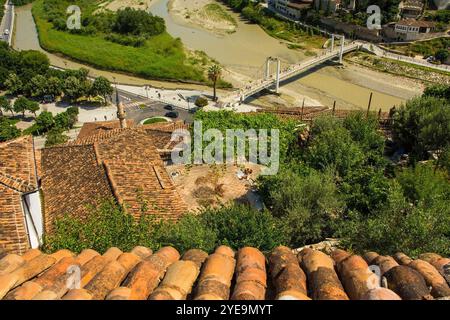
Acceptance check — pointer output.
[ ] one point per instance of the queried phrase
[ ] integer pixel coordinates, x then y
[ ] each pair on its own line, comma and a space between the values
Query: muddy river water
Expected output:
244, 53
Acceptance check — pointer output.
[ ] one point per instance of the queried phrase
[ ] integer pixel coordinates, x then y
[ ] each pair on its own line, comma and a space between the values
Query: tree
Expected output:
33, 107
102, 87
37, 86
422, 125
138, 22
442, 55
13, 84
21, 105
307, 203
399, 226
214, 74
34, 62
8, 130
44, 122
53, 87
72, 88
438, 91
335, 148
55, 137
6, 106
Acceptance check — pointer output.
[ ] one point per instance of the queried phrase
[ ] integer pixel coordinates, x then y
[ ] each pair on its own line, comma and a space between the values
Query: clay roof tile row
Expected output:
246, 275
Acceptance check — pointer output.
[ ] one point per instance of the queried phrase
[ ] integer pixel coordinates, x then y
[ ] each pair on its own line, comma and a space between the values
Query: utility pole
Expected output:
334, 108
303, 109
370, 103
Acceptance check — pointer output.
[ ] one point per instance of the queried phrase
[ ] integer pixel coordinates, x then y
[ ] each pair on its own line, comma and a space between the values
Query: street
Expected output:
6, 23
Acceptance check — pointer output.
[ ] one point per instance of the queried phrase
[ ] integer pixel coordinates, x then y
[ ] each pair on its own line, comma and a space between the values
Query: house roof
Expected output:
416, 23
18, 175
94, 128
18, 165
247, 274
120, 163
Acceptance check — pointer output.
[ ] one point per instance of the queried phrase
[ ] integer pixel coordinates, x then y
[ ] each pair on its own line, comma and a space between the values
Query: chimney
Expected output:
120, 111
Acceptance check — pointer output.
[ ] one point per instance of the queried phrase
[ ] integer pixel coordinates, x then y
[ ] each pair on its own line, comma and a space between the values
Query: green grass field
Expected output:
162, 57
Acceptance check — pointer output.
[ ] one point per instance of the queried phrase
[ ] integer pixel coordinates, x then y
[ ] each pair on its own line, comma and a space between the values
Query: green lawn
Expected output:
162, 57
155, 120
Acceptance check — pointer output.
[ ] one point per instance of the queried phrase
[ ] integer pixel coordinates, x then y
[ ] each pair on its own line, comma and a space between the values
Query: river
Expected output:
243, 53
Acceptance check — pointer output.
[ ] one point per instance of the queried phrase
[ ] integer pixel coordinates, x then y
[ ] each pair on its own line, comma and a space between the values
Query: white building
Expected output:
411, 29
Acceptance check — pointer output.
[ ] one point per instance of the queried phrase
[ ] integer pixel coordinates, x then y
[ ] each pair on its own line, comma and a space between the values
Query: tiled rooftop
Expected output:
247, 274
124, 163
18, 175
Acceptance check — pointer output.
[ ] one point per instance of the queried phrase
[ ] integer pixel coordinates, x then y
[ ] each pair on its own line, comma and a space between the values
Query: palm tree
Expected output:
214, 73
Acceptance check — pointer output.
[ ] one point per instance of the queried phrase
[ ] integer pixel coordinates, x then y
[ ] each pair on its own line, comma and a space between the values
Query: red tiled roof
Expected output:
94, 128
18, 175
222, 275
120, 163
17, 164
416, 23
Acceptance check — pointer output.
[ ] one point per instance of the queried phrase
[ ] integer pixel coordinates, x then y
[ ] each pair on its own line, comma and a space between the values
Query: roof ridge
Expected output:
16, 183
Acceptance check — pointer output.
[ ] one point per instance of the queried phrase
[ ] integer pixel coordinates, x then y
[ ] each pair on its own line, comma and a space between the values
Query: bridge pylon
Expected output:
278, 71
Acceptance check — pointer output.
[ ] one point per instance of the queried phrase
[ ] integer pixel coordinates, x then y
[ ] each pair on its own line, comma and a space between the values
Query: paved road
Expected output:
154, 109
7, 23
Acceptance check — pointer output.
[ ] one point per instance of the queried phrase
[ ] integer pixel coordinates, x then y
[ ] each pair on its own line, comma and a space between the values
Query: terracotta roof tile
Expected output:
402, 259
215, 279
145, 277
287, 276
94, 128
251, 279
439, 287
178, 281
323, 281
356, 276
248, 274
408, 283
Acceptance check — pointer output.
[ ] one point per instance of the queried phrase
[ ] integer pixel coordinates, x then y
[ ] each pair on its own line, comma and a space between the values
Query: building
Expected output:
411, 29
21, 225
248, 274
291, 8
123, 163
411, 8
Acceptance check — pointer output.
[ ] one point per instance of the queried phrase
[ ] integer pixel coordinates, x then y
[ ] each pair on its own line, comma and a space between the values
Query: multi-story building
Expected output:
291, 8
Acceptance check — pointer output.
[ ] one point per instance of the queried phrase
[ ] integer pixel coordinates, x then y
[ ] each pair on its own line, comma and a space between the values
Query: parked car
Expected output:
48, 99
173, 114
6, 32
169, 107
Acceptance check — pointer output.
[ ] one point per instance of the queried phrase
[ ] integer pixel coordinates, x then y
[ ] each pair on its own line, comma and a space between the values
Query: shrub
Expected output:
107, 225
399, 226
308, 204
201, 102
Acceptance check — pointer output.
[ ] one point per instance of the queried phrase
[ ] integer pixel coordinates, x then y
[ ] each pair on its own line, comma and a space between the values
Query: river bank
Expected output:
206, 14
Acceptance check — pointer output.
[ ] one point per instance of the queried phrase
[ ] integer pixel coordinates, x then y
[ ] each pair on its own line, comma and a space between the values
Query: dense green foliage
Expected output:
46, 122
108, 225
8, 129
422, 125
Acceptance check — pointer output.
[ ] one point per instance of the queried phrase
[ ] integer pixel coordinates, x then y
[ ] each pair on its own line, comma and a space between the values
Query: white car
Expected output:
6, 32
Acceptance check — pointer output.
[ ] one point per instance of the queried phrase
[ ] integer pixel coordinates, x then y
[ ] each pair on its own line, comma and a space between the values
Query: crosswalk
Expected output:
137, 104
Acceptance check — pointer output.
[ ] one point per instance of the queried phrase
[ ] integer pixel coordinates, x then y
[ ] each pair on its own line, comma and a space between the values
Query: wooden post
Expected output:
379, 114
370, 103
334, 107
303, 109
